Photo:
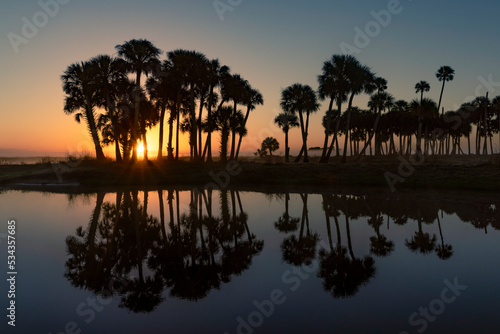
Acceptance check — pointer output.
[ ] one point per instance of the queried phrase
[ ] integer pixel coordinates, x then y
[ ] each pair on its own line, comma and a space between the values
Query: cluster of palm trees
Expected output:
387, 121
199, 94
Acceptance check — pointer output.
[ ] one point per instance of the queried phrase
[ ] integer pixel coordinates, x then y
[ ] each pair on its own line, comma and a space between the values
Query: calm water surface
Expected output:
180, 261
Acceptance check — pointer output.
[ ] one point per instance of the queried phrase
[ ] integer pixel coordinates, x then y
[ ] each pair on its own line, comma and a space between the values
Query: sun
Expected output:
140, 149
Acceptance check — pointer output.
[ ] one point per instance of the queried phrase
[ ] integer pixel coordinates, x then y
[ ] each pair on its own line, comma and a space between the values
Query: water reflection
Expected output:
127, 252
195, 254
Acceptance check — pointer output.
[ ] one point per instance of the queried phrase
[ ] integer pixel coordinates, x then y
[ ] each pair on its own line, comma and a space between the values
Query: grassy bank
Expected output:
460, 172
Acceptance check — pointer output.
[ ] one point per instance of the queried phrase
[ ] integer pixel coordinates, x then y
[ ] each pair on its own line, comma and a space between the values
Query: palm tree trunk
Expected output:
374, 130
335, 133
208, 143
347, 128
177, 136
160, 144
241, 137
135, 127
93, 132
306, 158
287, 149
419, 138
233, 133
200, 115
441, 97
170, 151
302, 130
327, 131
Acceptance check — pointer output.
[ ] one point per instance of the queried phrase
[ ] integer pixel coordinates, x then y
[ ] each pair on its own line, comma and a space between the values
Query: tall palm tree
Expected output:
110, 77
160, 87
223, 121
378, 103
253, 98
237, 91
286, 121
421, 87
300, 99
444, 74
424, 110
213, 78
333, 84
192, 68
142, 58
360, 79
80, 86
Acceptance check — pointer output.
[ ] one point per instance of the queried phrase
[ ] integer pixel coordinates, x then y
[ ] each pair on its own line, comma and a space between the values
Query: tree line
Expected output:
201, 97
388, 126
199, 94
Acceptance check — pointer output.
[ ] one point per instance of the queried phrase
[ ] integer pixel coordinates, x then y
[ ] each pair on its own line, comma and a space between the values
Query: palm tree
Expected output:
80, 87
421, 87
380, 84
223, 122
300, 99
110, 76
286, 121
334, 85
270, 144
378, 103
213, 78
424, 110
236, 90
161, 89
444, 74
193, 68
252, 98
142, 58
360, 80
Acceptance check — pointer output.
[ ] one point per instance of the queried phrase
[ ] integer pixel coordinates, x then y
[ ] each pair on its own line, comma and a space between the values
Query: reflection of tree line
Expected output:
126, 252
342, 272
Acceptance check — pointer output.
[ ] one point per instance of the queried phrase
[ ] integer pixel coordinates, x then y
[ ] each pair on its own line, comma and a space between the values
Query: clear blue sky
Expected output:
271, 43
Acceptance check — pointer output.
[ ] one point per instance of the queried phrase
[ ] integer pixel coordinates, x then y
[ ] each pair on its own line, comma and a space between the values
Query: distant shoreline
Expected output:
436, 172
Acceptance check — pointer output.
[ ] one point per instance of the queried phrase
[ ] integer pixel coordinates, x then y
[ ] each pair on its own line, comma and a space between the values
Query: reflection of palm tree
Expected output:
380, 245
341, 274
111, 250
421, 242
301, 250
285, 223
443, 251
80, 267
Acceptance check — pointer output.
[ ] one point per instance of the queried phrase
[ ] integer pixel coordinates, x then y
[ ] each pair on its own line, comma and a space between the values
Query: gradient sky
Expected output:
272, 44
